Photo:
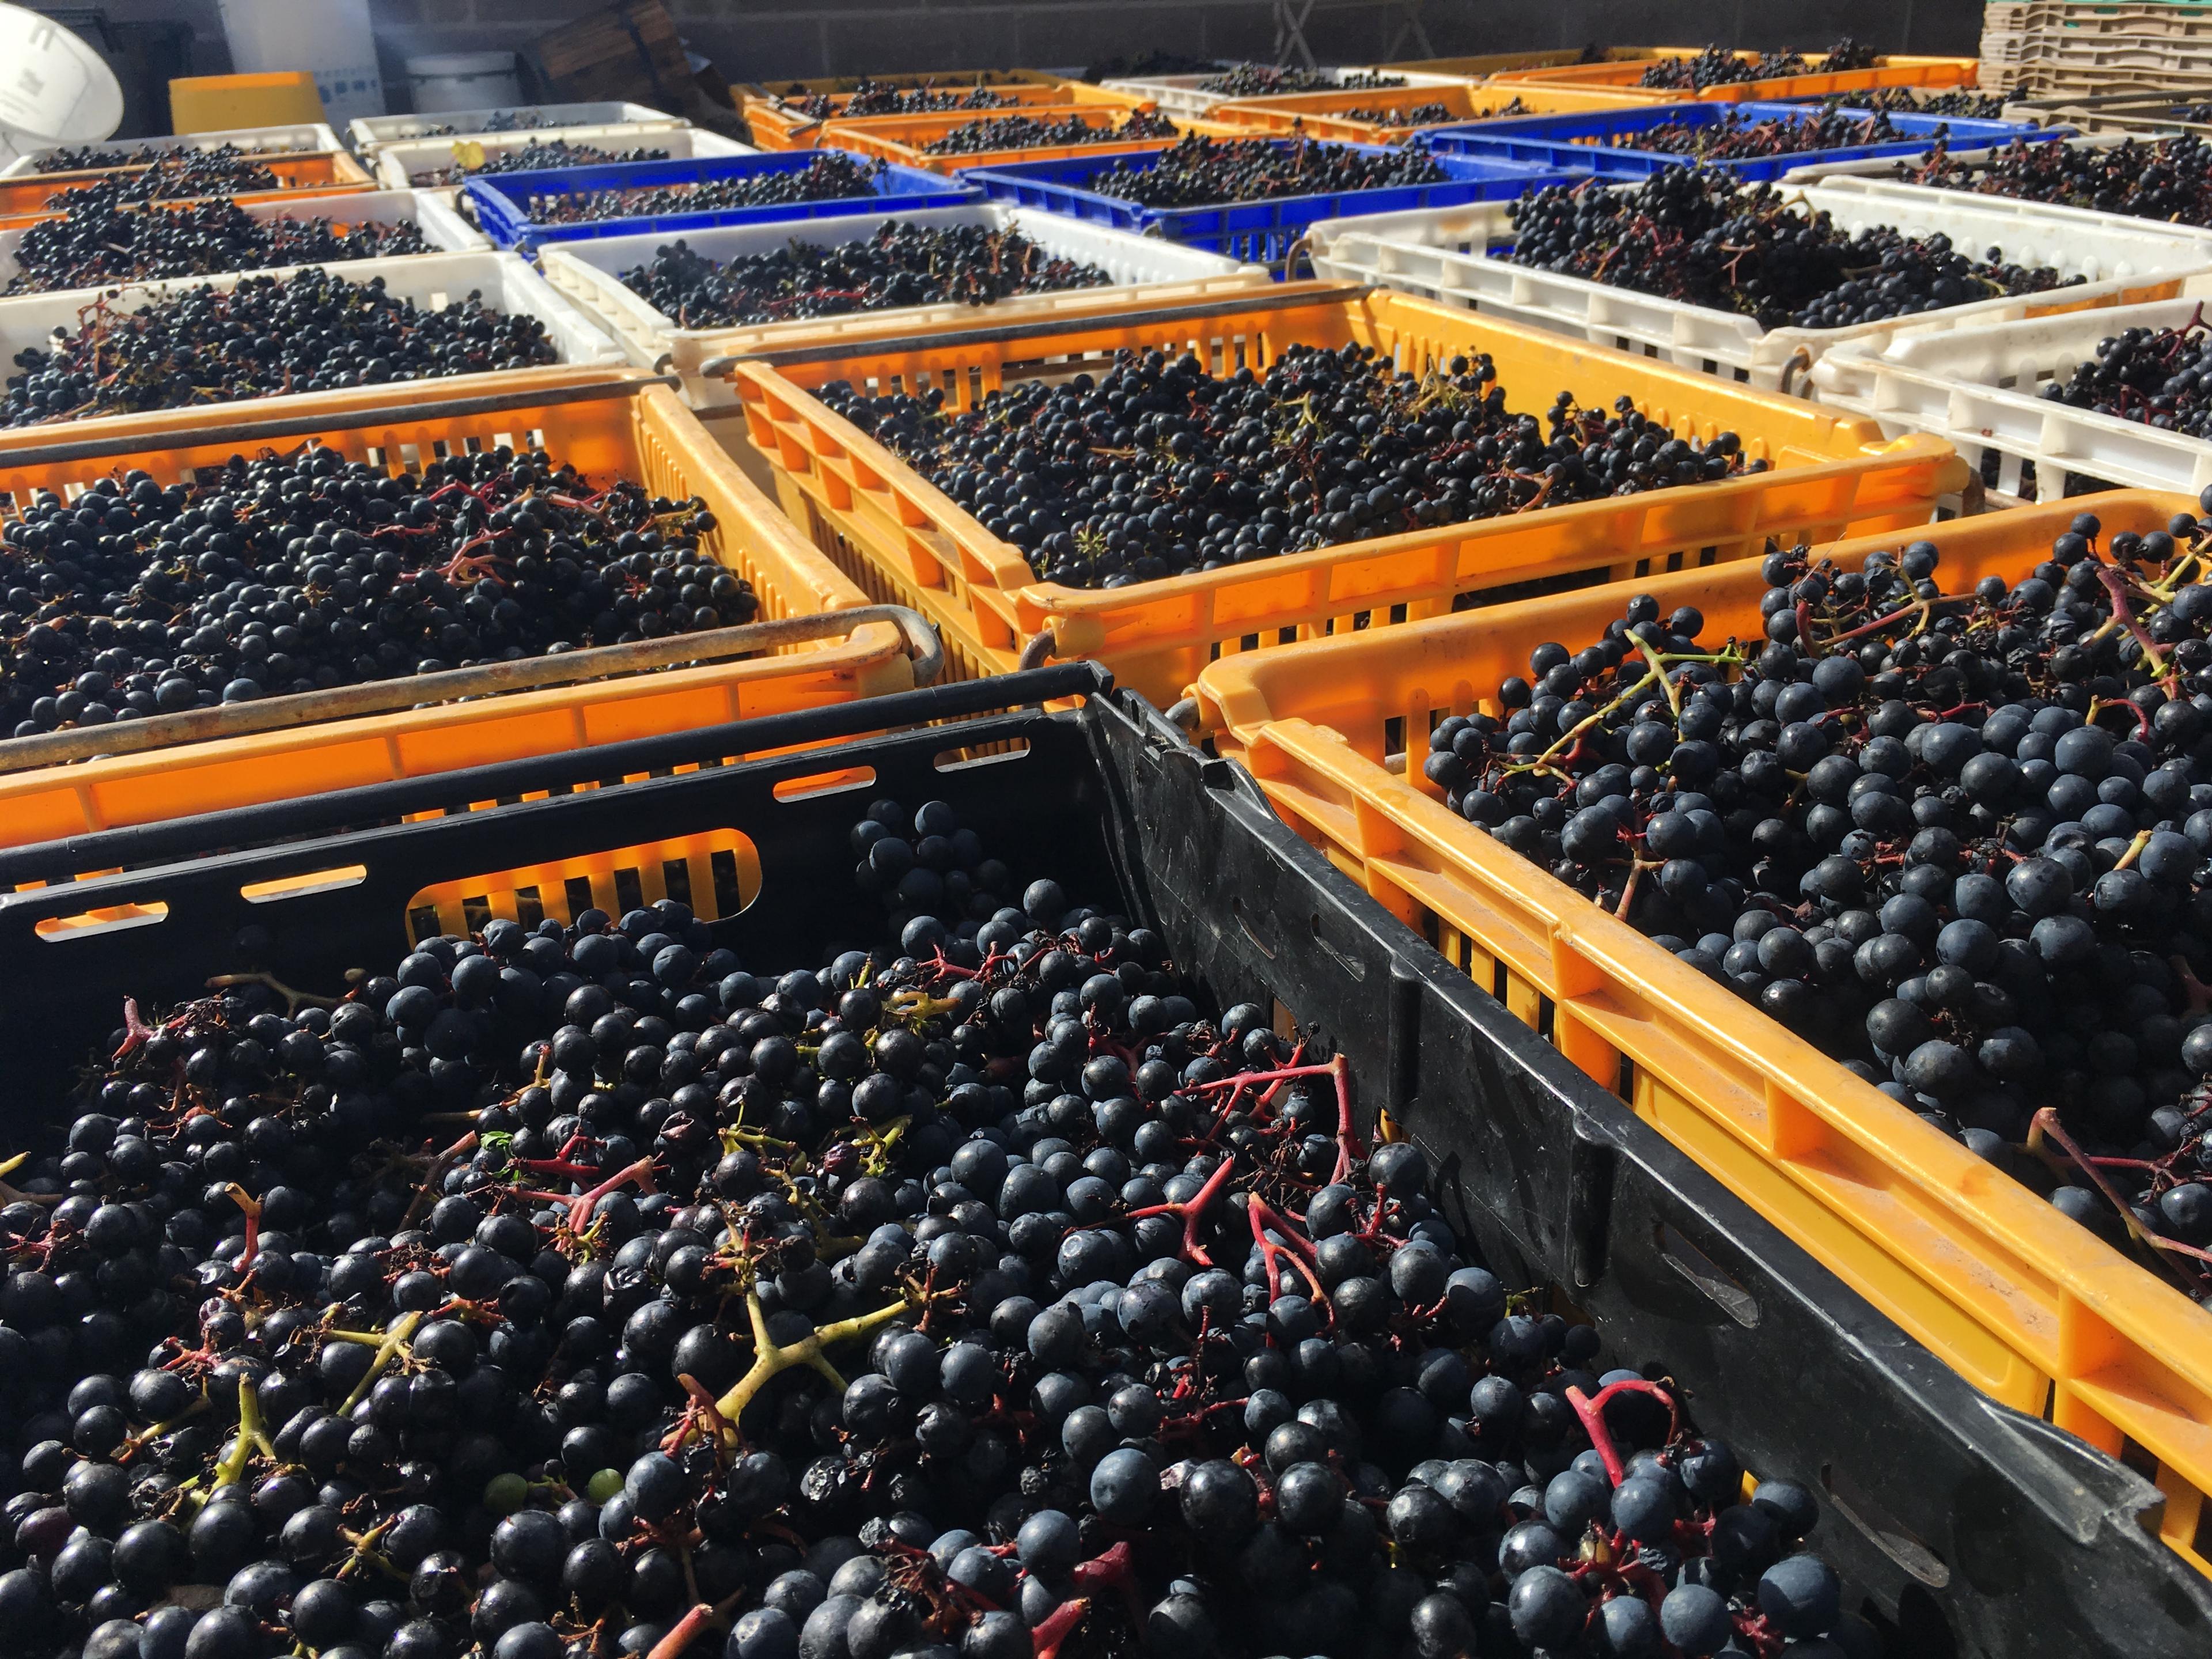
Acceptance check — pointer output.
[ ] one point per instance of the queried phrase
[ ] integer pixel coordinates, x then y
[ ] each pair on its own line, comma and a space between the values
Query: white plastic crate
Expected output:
506, 280
1144, 268
442, 228
371, 133
306, 138
1448, 254
1980, 388
398, 163
1178, 95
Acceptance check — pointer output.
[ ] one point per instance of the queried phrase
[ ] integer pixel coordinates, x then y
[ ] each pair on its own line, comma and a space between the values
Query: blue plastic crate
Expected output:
1579, 141
1260, 232
502, 200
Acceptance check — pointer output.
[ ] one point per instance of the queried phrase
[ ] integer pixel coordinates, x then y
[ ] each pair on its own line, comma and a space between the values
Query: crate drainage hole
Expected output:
1702, 1271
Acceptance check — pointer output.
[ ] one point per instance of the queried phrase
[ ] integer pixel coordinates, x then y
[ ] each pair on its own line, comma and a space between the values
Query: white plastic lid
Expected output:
460, 65
58, 89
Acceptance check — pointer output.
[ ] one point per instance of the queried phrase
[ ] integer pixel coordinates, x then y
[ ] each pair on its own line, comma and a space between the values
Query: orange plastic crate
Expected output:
908, 543
1894, 71
775, 125
2027, 1305
901, 139
29, 196
1321, 115
637, 430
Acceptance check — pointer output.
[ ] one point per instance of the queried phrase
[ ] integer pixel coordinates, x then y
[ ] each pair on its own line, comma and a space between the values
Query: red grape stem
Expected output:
136, 1033
1258, 1213
1193, 1211
1059, 1625
684, 1632
1591, 1411
2045, 1126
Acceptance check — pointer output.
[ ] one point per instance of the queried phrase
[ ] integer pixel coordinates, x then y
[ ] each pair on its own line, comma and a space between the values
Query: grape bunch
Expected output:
312, 331
1717, 66
184, 175
901, 264
1267, 80
1697, 235
1413, 115
1161, 468
298, 573
93, 248
1511, 107
2160, 376
572, 1291
879, 98
1900, 101
827, 175
502, 120
1736, 136
2169, 179
1198, 170
1037, 132
1954, 832
90, 158
531, 158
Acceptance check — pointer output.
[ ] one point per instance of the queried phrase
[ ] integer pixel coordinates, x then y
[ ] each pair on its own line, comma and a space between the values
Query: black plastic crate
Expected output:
1962, 1526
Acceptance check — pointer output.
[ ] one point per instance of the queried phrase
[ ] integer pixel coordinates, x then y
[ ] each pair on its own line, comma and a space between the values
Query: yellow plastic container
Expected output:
216, 103
903, 138
640, 431
2027, 1305
778, 125
1326, 114
908, 543
1893, 71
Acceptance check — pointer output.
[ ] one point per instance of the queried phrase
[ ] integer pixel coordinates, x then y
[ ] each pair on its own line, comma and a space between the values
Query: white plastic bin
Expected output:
1144, 268
1980, 388
309, 138
507, 282
1178, 95
463, 80
397, 164
372, 133
1448, 254
442, 228
331, 39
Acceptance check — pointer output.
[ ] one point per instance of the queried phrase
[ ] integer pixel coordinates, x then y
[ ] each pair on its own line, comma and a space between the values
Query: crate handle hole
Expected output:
966, 760
300, 886
841, 781
1702, 1271
1259, 942
1882, 1529
87, 924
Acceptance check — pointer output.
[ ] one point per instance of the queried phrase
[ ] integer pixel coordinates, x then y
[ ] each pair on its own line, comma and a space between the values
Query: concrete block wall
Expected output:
772, 39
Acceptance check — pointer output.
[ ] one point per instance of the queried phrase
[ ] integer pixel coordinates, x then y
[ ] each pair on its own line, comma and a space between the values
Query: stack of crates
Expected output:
2038, 47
